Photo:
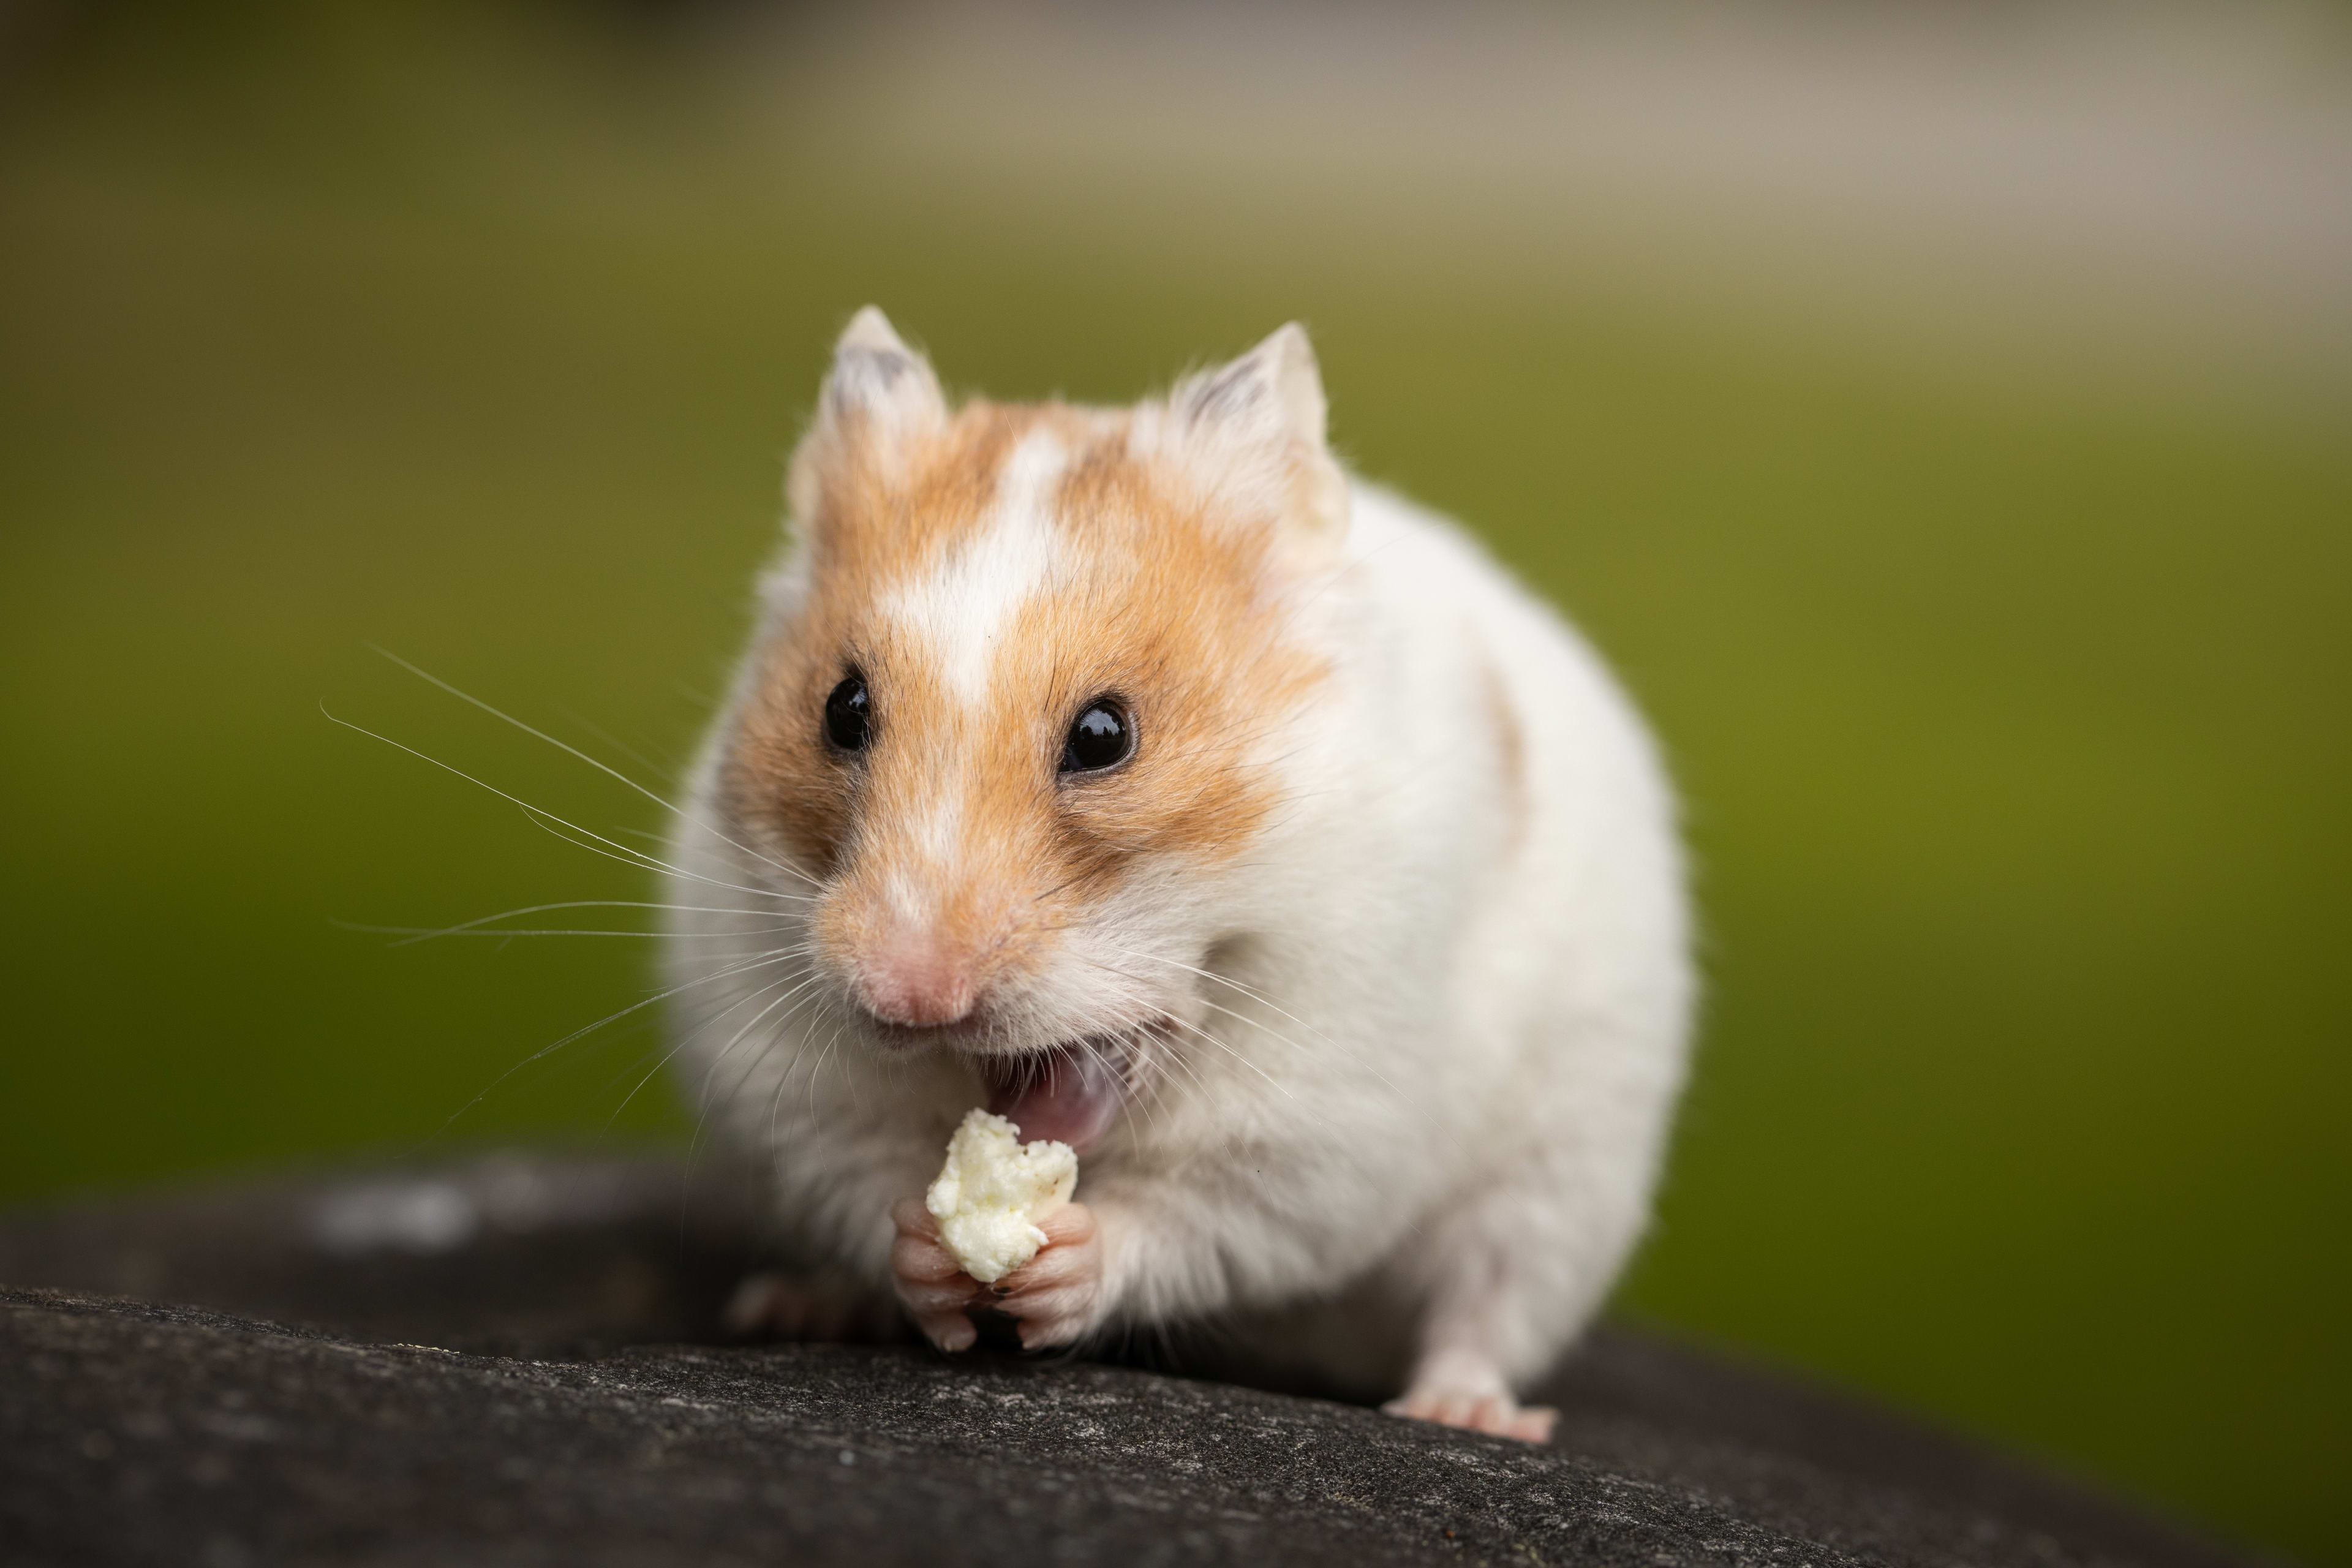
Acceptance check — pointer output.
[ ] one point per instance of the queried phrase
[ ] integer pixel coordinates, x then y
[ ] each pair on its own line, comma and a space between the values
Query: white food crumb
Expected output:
992, 1191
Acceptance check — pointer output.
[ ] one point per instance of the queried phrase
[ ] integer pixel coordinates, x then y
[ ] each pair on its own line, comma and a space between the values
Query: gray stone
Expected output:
576, 1406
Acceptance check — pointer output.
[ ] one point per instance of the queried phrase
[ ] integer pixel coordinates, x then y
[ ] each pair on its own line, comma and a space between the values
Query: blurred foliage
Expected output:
2009, 712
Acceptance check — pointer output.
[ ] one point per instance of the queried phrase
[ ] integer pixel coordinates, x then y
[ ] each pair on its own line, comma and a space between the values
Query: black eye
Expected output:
849, 715
1101, 738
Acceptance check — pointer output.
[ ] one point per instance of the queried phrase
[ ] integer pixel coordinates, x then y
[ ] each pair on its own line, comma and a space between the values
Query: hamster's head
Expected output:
1030, 686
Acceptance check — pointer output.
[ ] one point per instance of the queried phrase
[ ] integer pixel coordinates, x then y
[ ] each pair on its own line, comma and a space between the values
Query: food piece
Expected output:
992, 1191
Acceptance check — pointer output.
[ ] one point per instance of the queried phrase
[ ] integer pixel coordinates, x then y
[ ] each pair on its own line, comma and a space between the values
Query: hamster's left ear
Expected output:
880, 399
1262, 418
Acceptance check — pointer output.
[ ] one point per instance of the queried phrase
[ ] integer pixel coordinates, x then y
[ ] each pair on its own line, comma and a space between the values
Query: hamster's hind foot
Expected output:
812, 1309
1457, 1385
1497, 1413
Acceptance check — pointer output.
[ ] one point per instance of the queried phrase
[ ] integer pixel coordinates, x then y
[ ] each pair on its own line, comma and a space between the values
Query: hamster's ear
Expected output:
1262, 417
877, 377
1274, 390
879, 399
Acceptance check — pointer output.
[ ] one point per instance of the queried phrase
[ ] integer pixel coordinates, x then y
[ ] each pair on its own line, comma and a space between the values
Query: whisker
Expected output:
703, 1093
1314, 1117
421, 933
776, 1037
684, 1040
1242, 1017
1294, 1044
1225, 980
632, 856
1187, 1024
424, 933
823, 1056
640, 860
668, 776
784, 1081
547, 1050
610, 772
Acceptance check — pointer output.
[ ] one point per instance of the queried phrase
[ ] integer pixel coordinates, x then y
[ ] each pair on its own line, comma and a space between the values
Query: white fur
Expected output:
959, 612
1415, 1124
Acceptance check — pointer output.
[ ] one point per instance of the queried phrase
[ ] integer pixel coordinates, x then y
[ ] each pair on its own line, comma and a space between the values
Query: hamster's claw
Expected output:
931, 1285
1477, 1412
1055, 1294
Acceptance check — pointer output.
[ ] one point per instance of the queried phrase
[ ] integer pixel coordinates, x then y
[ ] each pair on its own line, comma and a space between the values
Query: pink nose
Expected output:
911, 980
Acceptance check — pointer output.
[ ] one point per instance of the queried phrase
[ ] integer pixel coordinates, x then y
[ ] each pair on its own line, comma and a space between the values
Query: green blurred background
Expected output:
1994, 597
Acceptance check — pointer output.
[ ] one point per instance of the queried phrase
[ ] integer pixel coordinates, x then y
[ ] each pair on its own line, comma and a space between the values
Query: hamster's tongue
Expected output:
1066, 1095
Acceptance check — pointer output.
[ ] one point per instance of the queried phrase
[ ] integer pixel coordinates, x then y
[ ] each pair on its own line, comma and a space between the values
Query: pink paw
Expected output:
1477, 1411
931, 1285
1052, 1296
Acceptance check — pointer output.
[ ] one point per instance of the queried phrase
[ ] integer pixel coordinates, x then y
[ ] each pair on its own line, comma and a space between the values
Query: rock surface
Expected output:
577, 1408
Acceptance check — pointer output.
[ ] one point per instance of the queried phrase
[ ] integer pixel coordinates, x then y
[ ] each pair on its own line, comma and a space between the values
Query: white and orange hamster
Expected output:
1140, 776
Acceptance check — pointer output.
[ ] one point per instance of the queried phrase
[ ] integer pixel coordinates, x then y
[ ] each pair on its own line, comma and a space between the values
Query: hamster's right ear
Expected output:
880, 399
877, 378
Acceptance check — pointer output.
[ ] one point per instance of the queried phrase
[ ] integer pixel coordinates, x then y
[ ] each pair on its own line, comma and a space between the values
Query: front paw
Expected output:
1056, 1296
1052, 1299
931, 1285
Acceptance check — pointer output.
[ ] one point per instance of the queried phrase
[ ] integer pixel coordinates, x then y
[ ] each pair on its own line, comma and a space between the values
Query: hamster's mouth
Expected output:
1069, 1093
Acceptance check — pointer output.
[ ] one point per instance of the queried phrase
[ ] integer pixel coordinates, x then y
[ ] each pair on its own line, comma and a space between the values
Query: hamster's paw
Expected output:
810, 1308
1055, 1295
931, 1285
1476, 1410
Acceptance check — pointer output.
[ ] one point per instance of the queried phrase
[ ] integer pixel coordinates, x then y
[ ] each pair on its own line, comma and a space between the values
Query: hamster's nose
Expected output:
912, 979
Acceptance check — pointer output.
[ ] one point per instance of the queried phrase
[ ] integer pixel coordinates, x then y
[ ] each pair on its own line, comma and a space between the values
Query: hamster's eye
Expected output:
849, 715
1102, 738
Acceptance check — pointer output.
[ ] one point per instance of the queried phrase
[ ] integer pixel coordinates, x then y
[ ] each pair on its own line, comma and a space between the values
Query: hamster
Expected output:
1141, 776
